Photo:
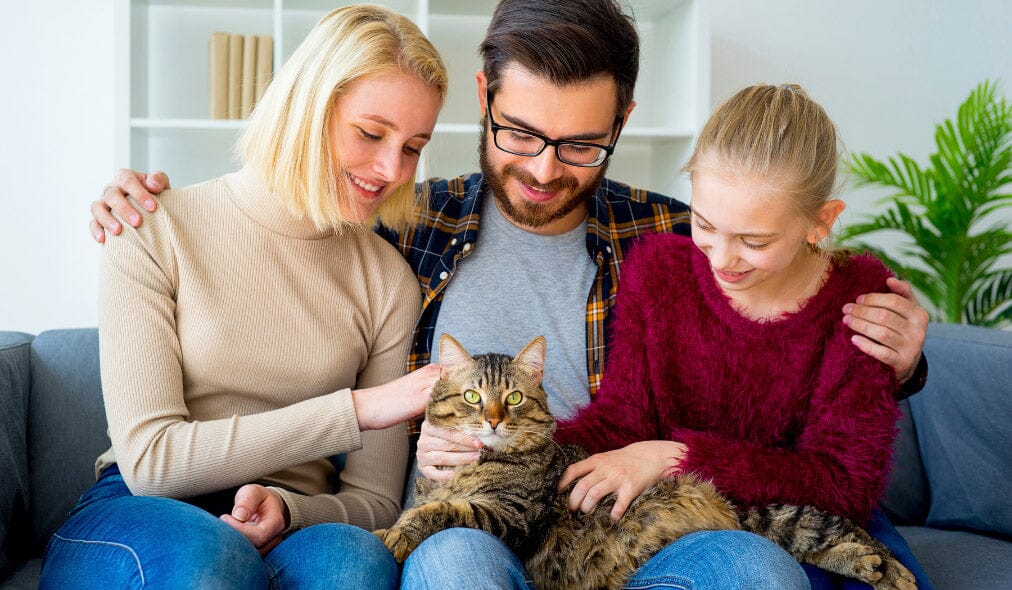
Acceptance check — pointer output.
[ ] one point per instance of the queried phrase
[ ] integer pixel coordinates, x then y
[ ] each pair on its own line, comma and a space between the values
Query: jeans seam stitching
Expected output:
140, 568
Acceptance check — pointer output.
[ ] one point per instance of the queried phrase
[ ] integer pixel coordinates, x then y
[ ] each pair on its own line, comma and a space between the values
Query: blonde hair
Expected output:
777, 133
286, 141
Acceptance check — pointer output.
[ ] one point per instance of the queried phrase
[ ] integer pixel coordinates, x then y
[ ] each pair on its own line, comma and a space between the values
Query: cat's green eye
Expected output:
514, 398
471, 396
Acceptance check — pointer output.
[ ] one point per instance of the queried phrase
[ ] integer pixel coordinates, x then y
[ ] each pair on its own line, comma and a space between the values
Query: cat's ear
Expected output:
532, 357
451, 354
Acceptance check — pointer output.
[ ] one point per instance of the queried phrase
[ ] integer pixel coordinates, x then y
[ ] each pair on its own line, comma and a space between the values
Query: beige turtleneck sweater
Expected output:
231, 333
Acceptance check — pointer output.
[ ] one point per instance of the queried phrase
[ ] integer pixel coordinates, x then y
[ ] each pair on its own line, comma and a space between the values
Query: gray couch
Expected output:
949, 491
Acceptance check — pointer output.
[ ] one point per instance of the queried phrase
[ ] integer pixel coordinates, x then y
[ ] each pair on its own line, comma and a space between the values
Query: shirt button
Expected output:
453, 242
467, 246
443, 275
607, 249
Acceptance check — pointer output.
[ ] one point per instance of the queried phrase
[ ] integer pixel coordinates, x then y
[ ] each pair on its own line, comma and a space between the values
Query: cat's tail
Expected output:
831, 542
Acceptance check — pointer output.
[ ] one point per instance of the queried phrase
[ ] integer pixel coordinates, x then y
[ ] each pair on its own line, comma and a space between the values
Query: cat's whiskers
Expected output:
549, 437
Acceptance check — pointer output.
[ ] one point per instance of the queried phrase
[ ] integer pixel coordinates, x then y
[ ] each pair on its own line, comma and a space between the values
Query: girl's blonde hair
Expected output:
777, 133
286, 141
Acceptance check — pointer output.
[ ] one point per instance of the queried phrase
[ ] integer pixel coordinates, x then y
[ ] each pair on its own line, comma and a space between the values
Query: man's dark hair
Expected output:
565, 42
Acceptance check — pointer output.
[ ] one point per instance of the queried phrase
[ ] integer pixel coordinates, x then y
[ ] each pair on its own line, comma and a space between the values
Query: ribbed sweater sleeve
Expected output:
372, 481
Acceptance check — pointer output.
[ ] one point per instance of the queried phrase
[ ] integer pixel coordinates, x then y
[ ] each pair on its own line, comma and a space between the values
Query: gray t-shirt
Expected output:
515, 286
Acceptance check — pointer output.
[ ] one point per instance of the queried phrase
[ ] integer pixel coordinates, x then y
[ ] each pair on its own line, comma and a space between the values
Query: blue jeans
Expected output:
467, 558
114, 539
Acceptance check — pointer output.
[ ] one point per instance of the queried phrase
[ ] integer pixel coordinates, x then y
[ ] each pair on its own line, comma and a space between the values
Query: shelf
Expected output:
162, 65
469, 129
187, 123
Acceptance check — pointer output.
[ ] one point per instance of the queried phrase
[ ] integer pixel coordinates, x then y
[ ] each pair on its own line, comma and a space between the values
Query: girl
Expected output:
728, 359
257, 327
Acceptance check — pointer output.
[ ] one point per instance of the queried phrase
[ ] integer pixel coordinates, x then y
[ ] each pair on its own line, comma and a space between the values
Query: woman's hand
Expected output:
260, 515
625, 472
398, 401
440, 451
138, 185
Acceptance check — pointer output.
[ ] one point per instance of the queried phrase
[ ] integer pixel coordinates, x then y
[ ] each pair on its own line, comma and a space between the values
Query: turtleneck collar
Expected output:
252, 196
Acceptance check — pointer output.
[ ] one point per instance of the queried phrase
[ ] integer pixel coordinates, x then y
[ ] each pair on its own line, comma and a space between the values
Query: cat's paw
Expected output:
895, 577
397, 542
869, 567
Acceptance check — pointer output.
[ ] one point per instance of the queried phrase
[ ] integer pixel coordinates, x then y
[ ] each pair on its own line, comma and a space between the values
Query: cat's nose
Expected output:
494, 422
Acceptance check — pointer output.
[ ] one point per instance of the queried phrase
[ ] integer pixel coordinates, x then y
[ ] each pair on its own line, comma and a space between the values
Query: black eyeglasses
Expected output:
527, 143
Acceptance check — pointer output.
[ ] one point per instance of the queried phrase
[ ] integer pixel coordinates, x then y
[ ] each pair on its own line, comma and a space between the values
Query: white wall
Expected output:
886, 70
56, 151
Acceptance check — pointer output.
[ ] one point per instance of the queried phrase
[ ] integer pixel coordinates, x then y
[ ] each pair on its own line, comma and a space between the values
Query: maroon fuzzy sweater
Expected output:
779, 411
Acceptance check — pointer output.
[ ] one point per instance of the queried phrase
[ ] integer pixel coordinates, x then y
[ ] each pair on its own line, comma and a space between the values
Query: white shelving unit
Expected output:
162, 95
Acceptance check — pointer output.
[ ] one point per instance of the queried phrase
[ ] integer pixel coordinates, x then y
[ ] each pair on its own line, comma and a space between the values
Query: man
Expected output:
556, 89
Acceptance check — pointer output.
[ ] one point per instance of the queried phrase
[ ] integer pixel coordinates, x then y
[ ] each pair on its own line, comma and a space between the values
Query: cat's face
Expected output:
494, 397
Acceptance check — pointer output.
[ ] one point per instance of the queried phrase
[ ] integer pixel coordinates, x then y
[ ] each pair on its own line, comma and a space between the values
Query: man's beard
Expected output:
530, 214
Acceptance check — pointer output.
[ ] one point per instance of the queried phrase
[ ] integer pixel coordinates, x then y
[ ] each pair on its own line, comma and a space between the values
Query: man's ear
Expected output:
451, 354
628, 111
482, 85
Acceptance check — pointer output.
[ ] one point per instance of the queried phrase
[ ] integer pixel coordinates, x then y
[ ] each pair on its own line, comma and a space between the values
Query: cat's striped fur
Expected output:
510, 492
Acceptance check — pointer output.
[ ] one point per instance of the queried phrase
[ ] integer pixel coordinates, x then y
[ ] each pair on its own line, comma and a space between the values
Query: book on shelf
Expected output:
218, 66
241, 67
249, 70
235, 76
265, 65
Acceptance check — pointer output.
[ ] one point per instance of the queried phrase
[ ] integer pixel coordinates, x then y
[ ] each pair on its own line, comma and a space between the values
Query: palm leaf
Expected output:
990, 299
942, 207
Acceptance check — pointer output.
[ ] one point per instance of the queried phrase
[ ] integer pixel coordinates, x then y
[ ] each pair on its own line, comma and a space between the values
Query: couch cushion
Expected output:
958, 560
908, 498
66, 426
15, 371
963, 428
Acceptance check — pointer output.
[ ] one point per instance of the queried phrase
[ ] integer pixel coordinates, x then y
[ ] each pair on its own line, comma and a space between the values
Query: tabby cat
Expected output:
510, 492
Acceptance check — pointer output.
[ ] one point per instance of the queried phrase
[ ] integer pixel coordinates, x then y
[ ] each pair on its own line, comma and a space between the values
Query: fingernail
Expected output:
114, 227
847, 308
240, 514
97, 236
135, 219
149, 204
846, 320
860, 299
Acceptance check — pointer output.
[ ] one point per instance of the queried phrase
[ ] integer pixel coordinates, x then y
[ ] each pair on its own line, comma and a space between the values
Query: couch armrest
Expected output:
15, 383
66, 426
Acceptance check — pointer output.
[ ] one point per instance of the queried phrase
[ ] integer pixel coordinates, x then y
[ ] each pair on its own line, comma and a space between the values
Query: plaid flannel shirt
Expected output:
448, 228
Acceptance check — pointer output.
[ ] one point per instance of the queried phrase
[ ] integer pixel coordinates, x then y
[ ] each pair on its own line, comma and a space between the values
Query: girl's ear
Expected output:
824, 220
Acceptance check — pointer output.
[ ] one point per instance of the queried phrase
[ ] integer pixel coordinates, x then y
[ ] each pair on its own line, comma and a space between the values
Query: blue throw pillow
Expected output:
964, 424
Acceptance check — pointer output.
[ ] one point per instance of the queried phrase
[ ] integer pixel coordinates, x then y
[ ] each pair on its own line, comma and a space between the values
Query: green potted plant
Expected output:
947, 212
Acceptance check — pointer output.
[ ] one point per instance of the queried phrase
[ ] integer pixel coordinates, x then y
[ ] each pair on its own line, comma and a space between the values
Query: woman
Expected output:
254, 334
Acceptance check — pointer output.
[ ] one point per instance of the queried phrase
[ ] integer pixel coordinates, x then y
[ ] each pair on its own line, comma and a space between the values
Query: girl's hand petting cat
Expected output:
260, 515
398, 401
440, 450
625, 472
